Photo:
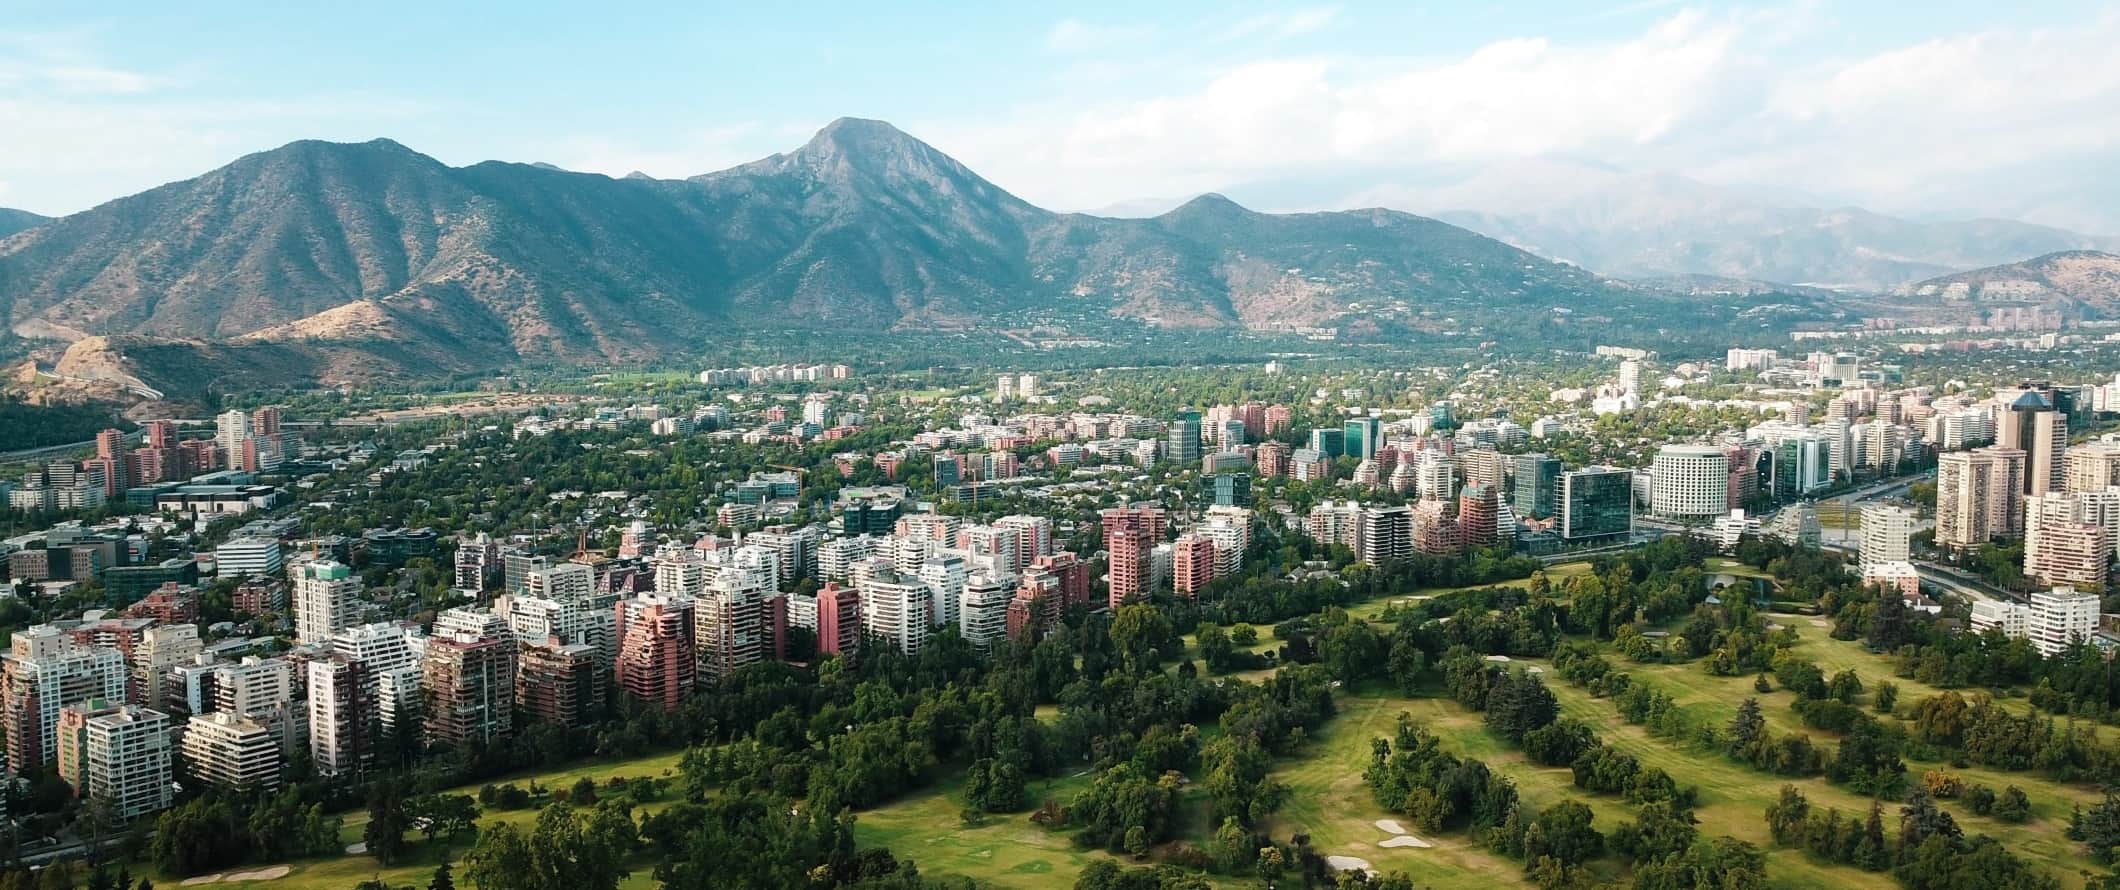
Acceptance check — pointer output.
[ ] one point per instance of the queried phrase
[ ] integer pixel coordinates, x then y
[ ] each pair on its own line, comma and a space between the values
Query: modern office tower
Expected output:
1359, 437
1886, 530
1231, 489
1192, 565
470, 681
1596, 504
252, 686
559, 683
1182, 439
729, 624
896, 610
1979, 496
838, 620
2092, 466
160, 649
1384, 534
657, 662
1479, 516
1691, 482
118, 755
1331, 443
478, 562
43, 671
2062, 546
1537, 481
944, 576
249, 555
564, 581
232, 752
231, 430
2030, 424
326, 596
982, 610
516, 566
2060, 618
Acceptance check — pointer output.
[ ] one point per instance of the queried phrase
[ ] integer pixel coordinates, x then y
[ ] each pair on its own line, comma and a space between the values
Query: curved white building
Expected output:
1691, 482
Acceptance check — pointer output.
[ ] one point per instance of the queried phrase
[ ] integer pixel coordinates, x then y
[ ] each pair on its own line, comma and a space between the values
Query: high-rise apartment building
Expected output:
657, 660
232, 752
470, 683
559, 683
478, 563
982, 612
896, 610
1129, 534
1192, 565
117, 755
1979, 496
838, 620
1887, 529
729, 623
1384, 534
2062, 545
326, 600
43, 671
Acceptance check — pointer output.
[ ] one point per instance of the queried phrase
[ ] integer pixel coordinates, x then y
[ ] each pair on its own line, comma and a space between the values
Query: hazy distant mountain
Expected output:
375, 257
1632, 225
2086, 280
12, 221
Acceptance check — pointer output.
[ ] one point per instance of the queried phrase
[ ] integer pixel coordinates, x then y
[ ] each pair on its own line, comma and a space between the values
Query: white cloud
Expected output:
1281, 25
1955, 122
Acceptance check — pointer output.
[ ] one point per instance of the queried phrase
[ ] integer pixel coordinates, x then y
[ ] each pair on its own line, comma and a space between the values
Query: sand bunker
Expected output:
1390, 826
1406, 840
356, 848
201, 879
1534, 669
1819, 622
1348, 863
264, 874
1498, 659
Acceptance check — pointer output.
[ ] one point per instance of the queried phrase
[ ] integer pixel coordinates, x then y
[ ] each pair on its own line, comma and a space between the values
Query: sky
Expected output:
1934, 110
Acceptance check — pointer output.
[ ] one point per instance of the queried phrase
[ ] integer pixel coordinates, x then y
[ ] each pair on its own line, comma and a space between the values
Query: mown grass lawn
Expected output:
344, 871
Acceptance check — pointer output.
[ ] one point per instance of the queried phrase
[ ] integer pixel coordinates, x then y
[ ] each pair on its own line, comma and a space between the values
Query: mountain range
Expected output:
2078, 280
357, 259
1656, 225
12, 221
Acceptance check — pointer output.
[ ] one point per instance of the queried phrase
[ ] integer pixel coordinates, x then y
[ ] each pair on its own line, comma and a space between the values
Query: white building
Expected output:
46, 670
326, 599
897, 611
248, 555
125, 761
1886, 531
982, 612
1691, 482
232, 752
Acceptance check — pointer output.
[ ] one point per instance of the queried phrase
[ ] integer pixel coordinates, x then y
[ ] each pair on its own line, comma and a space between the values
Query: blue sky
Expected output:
1936, 109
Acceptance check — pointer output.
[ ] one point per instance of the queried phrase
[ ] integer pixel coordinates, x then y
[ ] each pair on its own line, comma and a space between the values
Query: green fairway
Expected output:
341, 872
1004, 850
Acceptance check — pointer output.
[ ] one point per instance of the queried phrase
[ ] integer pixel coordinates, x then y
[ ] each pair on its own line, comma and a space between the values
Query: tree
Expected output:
387, 821
1563, 832
442, 879
2013, 806
1143, 637
1746, 726
1885, 697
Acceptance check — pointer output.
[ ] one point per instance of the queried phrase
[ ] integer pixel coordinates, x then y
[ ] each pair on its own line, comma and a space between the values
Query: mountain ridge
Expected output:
372, 249
2075, 281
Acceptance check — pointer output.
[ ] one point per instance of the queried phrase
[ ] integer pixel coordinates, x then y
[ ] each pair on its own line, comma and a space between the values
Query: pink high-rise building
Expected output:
838, 620
656, 661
